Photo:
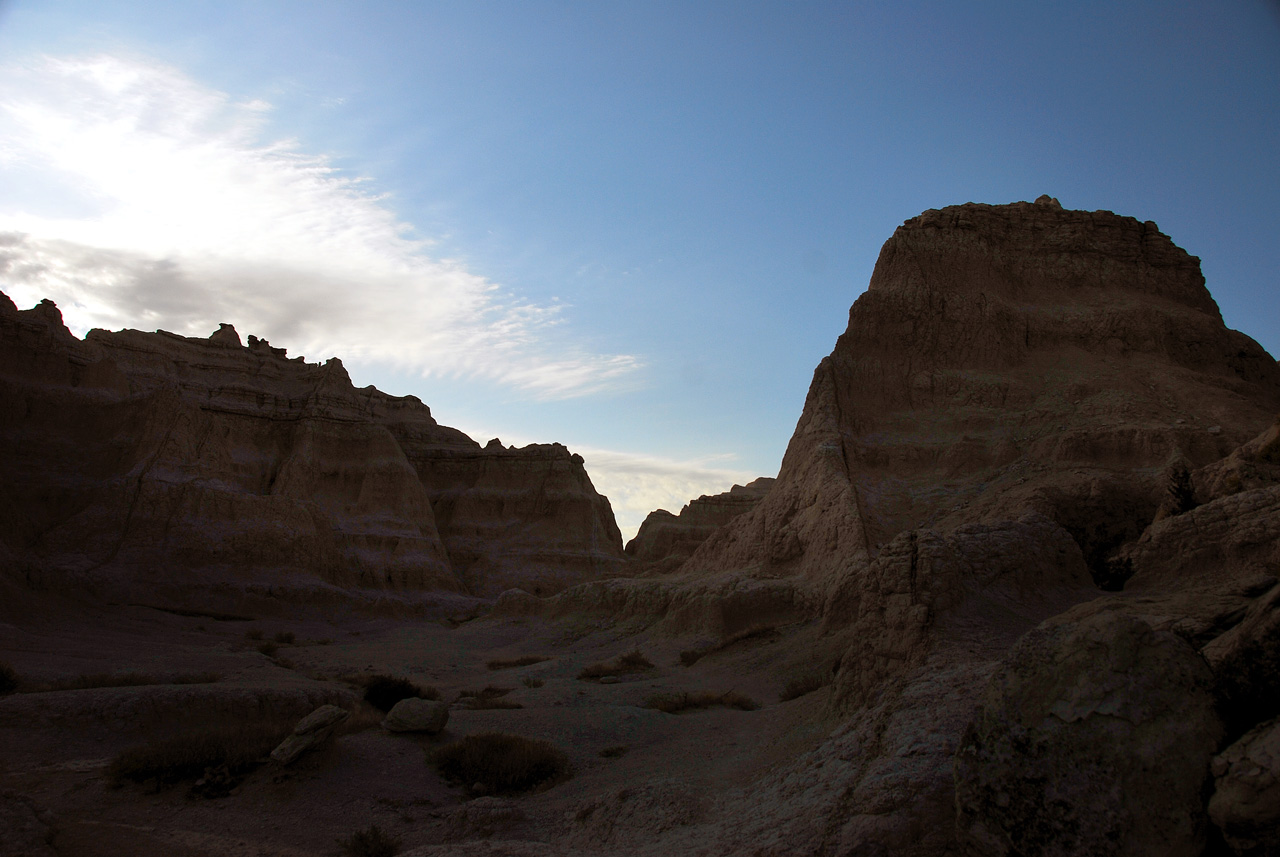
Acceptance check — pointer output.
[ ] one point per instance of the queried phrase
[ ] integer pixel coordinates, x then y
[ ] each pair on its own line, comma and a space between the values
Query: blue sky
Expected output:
633, 228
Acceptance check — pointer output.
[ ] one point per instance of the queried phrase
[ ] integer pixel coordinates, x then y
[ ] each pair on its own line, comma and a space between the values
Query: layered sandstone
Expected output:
1005, 360
666, 540
149, 464
1034, 415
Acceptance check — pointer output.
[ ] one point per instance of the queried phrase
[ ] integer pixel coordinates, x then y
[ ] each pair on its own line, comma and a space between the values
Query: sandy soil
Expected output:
55, 745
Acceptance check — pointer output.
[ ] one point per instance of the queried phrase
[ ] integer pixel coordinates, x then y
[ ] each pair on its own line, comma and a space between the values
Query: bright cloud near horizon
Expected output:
183, 217
634, 229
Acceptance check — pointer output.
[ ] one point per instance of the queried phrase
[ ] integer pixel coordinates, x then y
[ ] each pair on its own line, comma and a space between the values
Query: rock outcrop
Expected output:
1035, 415
665, 540
144, 466
1094, 738
1004, 360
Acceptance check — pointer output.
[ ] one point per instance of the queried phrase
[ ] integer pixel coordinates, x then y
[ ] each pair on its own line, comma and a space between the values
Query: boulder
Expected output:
312, 732
417, 715
1095, 737
1246, 665
1246, 796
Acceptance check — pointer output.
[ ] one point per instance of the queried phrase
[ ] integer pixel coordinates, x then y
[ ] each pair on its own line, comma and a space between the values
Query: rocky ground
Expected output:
57, 744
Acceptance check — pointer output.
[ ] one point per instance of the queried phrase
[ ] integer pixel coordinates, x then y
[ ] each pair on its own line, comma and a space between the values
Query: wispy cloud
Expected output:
151, 200
638, 484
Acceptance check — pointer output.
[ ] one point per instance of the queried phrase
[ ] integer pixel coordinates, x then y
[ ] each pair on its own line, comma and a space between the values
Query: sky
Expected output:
633, 228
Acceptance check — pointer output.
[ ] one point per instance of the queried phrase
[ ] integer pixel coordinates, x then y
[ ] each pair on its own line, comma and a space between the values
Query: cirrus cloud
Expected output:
148, 199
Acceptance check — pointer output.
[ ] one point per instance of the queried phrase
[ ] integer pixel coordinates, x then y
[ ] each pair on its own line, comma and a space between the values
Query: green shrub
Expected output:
8, 679
370, 843
384, 691
500, 763
522, 661
802, 685
631, 662
674, 703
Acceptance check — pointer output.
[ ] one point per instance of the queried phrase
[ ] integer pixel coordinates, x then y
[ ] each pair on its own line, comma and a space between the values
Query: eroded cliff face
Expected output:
152, 466
1035, 427
1007, 360
665, 540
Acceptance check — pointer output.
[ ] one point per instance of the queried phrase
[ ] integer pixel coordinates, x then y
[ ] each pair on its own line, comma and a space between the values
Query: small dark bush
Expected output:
285, 637
530, 681
253, 634
631, 662
8, 679
501, 764
384, 691
370, 843
614, 752
268, 648
130, 679
224, 753
802, 685
674, 703
523, 661
689, 657
490, 697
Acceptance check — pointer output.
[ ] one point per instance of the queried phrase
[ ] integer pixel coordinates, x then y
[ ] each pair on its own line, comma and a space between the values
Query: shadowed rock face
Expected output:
148, 464
667, 540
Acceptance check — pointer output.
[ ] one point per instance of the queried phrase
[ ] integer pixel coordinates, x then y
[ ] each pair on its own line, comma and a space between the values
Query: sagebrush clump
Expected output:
500, 763
631, 662
674, 703
522, 661
221, 754
370, 843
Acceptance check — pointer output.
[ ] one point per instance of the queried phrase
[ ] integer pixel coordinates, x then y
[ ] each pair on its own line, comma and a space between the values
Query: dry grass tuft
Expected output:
384, 691
804, 684
674, 703
490, 697
370, 843
285, 637
253, 634
689, 657
219, 755
129, 679
499, 763
530, 681
522, 661
269, 648
614, 752
631, 662
365, 716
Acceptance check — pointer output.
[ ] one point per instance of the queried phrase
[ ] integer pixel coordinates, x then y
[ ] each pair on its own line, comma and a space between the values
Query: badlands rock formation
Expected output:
667, 540
1013, 591
1034, 413
147, 466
